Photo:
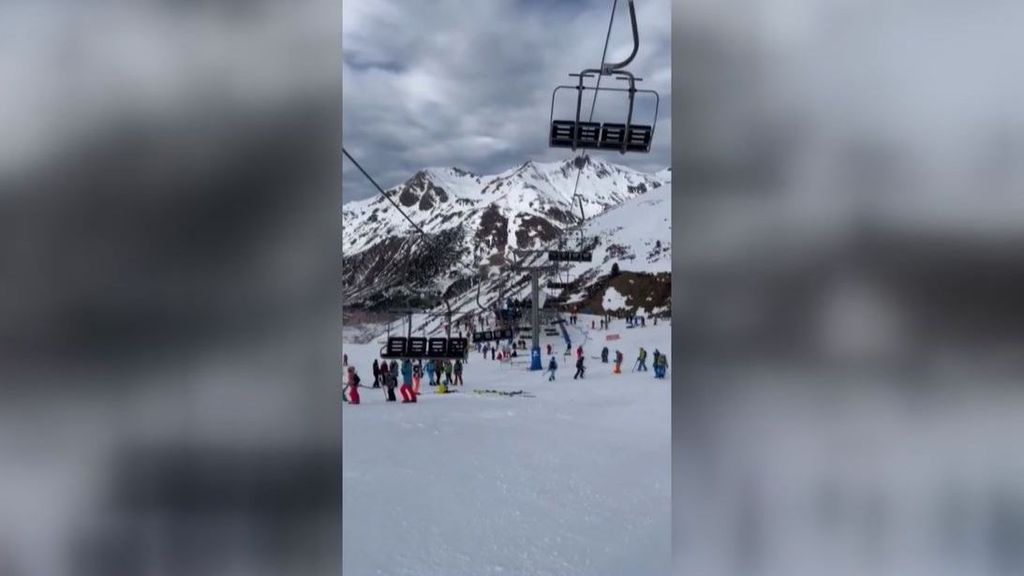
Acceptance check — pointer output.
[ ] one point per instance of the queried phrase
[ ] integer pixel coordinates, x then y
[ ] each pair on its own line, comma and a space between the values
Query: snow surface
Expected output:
638, 225
574, 481
613, 300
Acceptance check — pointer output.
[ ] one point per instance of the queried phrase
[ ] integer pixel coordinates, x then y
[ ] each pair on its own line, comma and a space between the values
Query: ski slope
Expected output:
572, 481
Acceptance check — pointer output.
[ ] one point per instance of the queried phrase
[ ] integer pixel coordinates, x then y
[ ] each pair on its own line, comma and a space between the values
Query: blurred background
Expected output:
848, 288
169, 319
849, 217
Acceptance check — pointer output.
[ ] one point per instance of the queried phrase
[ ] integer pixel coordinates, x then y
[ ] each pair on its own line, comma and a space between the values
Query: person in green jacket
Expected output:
448, 372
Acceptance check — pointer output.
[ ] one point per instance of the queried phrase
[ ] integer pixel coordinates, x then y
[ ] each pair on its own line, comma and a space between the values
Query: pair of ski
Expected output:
521, 393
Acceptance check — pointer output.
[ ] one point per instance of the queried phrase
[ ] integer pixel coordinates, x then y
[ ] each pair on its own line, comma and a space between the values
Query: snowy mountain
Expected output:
474, 222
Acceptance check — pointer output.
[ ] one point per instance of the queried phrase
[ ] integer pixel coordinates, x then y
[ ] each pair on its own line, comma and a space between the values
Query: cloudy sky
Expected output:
468, 84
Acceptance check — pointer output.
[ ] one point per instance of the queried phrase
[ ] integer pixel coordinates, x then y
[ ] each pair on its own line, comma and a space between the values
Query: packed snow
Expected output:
573, 480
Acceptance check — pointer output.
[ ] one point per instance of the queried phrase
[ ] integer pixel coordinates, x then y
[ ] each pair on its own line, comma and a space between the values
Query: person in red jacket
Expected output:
353, 386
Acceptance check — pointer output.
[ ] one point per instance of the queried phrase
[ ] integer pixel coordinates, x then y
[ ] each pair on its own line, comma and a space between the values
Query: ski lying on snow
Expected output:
510, 393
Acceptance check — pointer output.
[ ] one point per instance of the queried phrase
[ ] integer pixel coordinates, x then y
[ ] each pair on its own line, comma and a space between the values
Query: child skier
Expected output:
353, 386
552, 367
617, 367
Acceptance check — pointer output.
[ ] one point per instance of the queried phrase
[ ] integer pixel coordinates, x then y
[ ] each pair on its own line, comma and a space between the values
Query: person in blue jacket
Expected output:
429, 369
552, 367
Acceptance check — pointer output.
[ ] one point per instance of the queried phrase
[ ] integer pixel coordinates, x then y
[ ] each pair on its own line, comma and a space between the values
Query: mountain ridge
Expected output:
474, 223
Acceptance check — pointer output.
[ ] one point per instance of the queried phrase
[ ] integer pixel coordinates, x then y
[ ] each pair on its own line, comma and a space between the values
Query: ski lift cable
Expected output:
593, 104
381, 190
423, 234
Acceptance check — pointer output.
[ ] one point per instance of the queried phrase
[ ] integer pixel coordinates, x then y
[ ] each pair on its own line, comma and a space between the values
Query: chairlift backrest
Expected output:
570, 256
400, 348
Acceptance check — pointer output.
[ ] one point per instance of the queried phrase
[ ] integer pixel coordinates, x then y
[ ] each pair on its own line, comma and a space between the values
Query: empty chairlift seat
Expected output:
637, 137
622, 135
563, 131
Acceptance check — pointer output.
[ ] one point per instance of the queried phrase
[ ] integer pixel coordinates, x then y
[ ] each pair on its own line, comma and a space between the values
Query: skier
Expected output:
417, 375
448, 372
643, 322
376, 374
579, 351
429, 368
458, 373
604, 355
579, 368
617, 369
641, 361
549, 349
494, 352
406, 389
344, 359
353, 386
552, 367
390, 380
442, 388
657, 363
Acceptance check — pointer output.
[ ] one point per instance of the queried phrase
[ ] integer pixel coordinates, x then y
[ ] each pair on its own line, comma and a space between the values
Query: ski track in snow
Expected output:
575, 481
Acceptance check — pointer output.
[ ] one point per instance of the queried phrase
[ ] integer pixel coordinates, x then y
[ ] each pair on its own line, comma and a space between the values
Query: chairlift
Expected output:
624, 136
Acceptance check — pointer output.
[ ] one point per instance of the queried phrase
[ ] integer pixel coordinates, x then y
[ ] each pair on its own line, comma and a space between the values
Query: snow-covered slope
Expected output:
477, 221
573, 481
636, 234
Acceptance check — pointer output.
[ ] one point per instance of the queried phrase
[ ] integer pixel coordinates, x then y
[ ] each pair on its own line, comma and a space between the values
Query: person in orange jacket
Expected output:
617, 368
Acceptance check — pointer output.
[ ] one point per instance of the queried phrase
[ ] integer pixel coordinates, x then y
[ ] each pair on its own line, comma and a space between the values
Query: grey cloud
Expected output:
469, 84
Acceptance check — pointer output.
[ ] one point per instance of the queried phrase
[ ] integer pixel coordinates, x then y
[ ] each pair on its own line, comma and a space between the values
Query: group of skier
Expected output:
495, 352
580, 368
660, 363
440, 374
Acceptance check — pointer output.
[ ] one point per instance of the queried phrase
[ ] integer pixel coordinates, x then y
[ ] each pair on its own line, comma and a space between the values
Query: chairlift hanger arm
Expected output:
609, 68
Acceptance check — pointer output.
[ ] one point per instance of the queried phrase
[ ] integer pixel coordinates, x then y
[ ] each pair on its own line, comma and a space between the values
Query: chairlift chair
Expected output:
625, 136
